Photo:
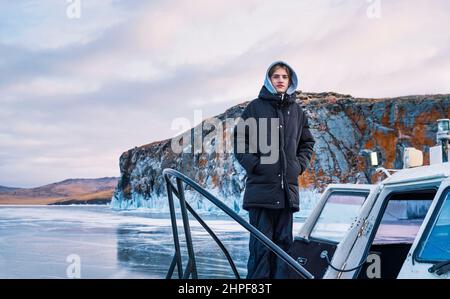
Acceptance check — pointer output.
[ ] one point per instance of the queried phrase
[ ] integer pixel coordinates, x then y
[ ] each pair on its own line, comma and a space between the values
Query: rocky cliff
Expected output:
343, 127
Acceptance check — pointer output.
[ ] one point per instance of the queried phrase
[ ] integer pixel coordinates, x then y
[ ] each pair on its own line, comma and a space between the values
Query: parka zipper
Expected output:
282, 146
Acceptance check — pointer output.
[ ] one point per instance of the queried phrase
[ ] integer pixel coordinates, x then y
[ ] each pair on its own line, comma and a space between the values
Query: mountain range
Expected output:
70, 191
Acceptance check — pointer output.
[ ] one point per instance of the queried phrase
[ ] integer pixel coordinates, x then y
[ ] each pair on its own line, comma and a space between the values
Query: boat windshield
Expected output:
436, 245
340, 210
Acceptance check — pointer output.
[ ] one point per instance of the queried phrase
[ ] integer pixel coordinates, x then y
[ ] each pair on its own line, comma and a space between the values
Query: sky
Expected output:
83, 81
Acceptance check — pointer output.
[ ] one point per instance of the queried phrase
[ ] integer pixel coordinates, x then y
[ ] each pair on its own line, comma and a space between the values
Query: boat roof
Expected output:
421, 173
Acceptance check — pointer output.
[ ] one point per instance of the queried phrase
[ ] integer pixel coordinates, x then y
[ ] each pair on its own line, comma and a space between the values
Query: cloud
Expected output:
74, 94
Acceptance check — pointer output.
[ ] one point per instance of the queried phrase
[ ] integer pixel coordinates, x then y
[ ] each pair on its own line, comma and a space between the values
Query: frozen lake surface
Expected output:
46, 242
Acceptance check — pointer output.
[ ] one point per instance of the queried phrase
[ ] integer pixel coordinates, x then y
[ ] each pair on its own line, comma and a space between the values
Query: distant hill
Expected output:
70, 191
7, 189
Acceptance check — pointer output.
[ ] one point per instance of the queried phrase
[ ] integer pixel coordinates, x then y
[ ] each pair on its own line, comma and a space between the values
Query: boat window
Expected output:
340, 210
401, 220
436, 245
398, 222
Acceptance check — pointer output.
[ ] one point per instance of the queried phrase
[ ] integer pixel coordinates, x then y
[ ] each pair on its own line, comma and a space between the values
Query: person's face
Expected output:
280, 80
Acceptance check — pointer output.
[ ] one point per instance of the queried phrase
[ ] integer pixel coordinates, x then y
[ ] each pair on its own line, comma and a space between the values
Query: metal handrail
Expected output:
212, 234
191, 267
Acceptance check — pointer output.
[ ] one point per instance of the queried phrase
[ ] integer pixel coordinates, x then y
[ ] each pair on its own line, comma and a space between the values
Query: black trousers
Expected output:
277, 226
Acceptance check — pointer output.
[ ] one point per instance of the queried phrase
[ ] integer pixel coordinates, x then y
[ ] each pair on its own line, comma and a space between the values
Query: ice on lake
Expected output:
42, 241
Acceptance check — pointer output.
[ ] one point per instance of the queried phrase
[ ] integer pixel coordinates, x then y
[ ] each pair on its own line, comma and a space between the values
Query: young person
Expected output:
271, 194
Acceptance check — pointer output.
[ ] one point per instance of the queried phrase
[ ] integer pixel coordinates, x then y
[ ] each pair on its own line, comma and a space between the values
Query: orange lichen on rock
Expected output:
202, 162
215, 180
416, 134
420, 140
357, 119
306, 180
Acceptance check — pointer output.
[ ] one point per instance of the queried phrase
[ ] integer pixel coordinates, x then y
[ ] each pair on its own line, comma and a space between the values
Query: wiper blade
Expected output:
440, 268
